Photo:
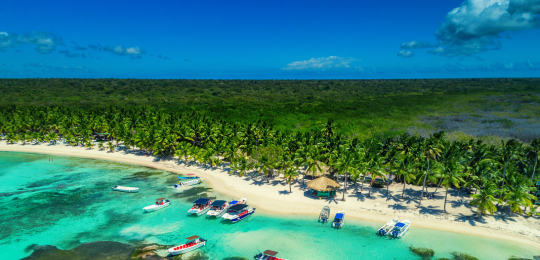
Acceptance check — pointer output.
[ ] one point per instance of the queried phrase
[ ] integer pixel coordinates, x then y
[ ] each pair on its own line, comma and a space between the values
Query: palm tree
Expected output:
508, 152
110, 146
535, 151
485, 199
452, 176
376, 169
431, 151
290, 175
407, 171
519, 195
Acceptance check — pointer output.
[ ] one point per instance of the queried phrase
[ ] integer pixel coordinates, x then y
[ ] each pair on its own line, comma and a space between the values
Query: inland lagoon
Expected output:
65, 202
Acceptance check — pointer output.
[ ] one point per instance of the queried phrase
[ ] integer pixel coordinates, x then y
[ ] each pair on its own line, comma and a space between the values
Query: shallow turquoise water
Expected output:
69, 201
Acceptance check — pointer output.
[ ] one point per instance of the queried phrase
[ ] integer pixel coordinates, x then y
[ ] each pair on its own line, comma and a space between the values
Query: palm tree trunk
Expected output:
438, 185
403, 193
388, 181
425, 177
534, 168
290, 189
445, 196
370, 185
363, 179
504, 177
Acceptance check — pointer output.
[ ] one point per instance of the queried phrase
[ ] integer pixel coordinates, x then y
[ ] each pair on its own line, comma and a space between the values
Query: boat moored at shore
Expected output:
339, 219
401, 228
388, 227
193, 243
125, 189
238, 212
189, 183
200, 206
324, 215
160, 203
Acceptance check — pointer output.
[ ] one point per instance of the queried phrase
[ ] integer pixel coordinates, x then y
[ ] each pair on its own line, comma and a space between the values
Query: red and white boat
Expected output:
193, 243
268, 255
200, 206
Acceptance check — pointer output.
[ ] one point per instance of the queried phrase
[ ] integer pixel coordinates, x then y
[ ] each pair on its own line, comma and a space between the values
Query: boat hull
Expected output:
126, 189
156, 207
238, 219
199, 212
215, 213
185, 250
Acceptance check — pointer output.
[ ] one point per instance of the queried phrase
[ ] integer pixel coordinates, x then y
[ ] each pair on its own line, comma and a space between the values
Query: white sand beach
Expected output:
274, 197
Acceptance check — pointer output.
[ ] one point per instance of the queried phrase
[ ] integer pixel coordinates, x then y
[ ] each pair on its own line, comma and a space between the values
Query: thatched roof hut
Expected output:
323, 184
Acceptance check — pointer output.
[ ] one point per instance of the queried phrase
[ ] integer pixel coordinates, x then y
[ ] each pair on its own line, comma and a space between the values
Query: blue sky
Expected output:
270, 39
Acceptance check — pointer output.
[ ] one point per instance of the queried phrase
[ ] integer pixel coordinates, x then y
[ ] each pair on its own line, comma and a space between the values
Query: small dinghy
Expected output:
160, 203
325, 214
339, 220
200, 206
219, 207
268, 255
189, 183
401, 228
193, 243
389, 226
125, 189
238, 212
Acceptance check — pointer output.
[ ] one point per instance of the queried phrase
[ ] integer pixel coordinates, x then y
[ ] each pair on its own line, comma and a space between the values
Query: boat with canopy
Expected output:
238, 212
388, 227
200, 206
401, 228
125, 189
339, 219
325, 214
160, 203
193, 243
219, 207
268, 255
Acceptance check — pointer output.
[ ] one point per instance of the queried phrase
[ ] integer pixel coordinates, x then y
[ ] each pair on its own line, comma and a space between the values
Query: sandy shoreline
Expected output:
274, 198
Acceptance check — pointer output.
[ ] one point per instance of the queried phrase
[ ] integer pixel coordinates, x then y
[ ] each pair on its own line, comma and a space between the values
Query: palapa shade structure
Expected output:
323, 187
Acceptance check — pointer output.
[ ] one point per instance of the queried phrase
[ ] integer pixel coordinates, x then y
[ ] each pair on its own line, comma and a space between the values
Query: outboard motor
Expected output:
258, 256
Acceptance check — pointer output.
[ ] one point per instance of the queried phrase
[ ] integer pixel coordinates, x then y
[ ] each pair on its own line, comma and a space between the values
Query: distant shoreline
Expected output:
274, 198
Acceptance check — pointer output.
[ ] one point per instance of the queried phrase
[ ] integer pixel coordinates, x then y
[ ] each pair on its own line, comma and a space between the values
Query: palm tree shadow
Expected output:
398, 207
359, 196
432, 210
471, 219
459, 203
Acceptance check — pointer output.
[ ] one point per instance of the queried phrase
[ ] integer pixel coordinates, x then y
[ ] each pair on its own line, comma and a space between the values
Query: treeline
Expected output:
362, 107
501, 177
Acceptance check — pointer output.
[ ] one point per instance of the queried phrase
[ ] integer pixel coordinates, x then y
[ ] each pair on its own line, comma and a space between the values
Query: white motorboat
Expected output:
268, 255
200, 206
125, 189
238, 212
160, 203
389, 226
401, 228
219, 207
193, 243
325, 214
339, 219
189, 183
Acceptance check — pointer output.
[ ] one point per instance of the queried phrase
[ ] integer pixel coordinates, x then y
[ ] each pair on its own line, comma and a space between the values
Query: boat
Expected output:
339, 219
125, 189
160, 203
238, 212
219, 207
193, 243
325, 214
389, 226
268, 255
200, 206
188, 183
190, 176
401, 228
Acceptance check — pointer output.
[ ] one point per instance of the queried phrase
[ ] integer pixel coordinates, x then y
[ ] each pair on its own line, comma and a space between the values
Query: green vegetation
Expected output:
361, 108
280, 128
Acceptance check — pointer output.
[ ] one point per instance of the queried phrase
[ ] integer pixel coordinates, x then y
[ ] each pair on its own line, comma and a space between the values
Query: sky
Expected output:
270, 39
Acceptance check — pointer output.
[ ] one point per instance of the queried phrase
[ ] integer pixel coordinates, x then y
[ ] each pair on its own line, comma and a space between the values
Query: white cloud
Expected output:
44, 42
4, 34
474, 26
332, 62
119, 50
530, 64
405, 54
415, 45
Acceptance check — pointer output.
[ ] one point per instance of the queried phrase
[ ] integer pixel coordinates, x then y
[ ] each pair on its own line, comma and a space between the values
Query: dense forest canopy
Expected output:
362, 108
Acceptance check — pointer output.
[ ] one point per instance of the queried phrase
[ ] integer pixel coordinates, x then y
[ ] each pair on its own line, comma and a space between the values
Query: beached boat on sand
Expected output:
389, 226
238, 212
339, 219
401, 228
160, 203
219, 207
125, 189
200, 206
193, 243
268, 255
189, 183
325, 214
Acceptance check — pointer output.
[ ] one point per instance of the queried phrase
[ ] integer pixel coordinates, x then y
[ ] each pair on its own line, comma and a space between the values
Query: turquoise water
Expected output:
69, 201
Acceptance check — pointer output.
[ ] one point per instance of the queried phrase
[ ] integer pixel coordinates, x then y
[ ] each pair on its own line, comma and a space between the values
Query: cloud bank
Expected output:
45, 42
405, 54
118, 50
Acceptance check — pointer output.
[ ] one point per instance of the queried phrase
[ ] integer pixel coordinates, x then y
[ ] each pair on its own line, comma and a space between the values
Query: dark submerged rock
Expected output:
425, 253
102, 250
463, 256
